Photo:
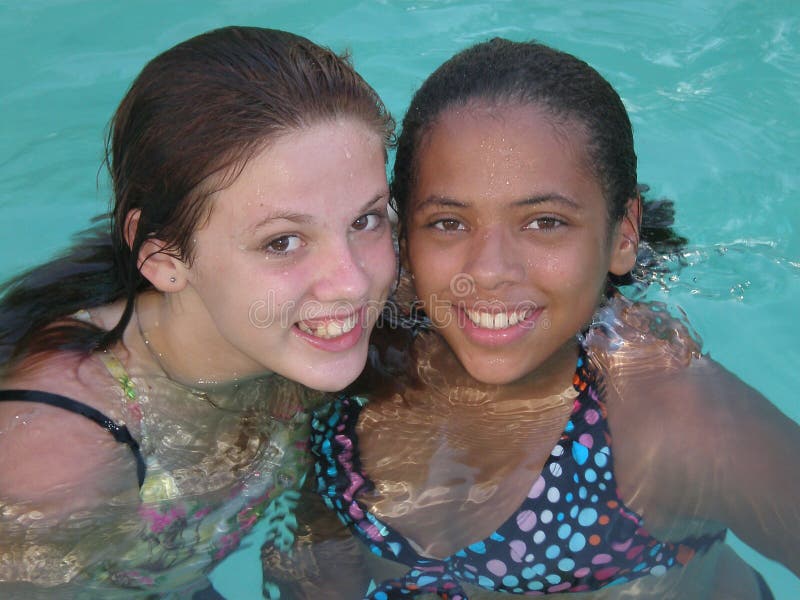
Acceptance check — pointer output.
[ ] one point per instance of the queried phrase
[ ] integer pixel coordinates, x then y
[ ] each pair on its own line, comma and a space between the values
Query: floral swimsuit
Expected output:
182, 536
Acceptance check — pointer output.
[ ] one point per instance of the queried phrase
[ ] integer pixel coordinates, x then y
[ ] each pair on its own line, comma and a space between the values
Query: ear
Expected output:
625, 245
155, 262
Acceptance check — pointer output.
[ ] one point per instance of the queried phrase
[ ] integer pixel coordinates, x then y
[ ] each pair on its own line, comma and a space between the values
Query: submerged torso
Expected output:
442, 492
217, 462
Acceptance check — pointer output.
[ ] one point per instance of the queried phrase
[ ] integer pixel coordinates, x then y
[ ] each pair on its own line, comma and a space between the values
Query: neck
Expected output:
174, 343
547, 386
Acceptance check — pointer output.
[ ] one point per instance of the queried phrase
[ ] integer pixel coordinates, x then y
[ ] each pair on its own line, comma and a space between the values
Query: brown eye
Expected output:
367, 222
545, 223
447, 225
283, 244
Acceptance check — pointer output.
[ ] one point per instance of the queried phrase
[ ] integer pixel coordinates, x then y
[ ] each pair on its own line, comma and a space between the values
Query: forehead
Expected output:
323, 172
490, 149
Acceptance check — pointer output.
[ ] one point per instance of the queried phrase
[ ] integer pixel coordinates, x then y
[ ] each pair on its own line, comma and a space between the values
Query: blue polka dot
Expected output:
590, 475
381, 596
425, 580
510, 581
579, 452
566, 564
577, 542
478, 548
573, 512
486, 582
587, 516
582, 493
553, 579
569, 497
535, 585
564, 531
552, 551
601, 458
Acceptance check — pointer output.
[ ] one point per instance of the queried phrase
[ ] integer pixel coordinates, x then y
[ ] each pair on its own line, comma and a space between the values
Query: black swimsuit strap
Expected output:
120, 432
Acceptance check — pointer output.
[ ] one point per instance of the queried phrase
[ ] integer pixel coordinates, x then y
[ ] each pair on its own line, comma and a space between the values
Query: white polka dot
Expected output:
546, 516
553, 494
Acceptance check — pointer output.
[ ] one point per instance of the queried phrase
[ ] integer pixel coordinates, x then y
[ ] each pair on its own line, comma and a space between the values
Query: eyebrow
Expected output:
286, 215
446, 202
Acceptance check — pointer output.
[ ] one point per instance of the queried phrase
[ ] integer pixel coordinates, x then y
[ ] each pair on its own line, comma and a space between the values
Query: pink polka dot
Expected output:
634, 552
591, 416
582, 572
518, 550
622, 546
586, 439
601, 559
560, 587
537, 488
526, 520
606, 573
497, 567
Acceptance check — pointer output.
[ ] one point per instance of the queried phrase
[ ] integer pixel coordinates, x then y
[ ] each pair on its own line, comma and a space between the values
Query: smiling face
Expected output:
296, 259
509, 241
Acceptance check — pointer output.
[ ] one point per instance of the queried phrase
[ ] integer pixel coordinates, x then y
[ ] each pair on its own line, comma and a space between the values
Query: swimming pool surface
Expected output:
713, 91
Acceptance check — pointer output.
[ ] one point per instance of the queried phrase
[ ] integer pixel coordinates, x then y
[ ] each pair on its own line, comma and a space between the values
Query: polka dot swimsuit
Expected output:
571, 534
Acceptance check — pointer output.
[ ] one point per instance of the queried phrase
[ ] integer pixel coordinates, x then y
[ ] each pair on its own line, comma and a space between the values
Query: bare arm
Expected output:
64, 481
697, 445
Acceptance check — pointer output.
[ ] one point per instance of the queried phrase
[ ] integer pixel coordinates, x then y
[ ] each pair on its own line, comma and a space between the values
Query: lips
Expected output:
491, 327
497, 320
338, 333
329, 328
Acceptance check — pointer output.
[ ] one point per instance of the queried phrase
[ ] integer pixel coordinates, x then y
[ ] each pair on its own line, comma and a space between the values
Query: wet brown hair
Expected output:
185, 129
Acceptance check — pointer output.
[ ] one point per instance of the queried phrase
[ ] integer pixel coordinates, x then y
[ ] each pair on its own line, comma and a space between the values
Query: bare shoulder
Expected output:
55, 461
717, 451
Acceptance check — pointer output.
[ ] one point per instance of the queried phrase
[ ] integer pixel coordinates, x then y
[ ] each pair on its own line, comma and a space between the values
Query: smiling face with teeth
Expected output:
509, 240
295, 260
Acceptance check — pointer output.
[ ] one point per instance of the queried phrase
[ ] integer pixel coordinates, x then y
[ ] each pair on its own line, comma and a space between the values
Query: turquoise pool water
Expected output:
713, 89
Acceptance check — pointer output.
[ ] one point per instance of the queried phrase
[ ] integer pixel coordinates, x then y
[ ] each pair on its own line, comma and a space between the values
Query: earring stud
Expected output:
172, 279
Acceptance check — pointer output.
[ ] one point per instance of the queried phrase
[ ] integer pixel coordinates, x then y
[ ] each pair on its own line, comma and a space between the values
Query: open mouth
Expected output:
329, 329
497, 320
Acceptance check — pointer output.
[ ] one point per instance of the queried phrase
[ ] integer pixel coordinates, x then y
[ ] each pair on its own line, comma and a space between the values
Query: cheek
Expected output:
433, 267
382, 262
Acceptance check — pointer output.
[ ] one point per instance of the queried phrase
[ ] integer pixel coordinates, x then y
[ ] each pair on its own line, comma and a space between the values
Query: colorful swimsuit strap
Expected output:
120, 432
572, 532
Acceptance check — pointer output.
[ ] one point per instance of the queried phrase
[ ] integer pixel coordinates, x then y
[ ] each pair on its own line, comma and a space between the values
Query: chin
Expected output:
333, 377
486, 373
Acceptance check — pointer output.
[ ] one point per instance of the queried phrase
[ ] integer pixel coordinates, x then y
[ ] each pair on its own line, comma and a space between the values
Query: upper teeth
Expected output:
331, 329
496, 321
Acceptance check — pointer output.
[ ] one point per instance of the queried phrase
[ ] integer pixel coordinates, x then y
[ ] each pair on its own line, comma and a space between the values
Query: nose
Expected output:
343, 275
494, 260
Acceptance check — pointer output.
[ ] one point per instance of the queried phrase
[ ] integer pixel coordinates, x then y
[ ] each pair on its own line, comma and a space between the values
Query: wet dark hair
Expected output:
500, 72
185, 129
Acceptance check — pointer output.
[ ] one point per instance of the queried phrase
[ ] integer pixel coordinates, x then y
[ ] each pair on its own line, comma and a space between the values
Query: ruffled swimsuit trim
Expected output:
573, 533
